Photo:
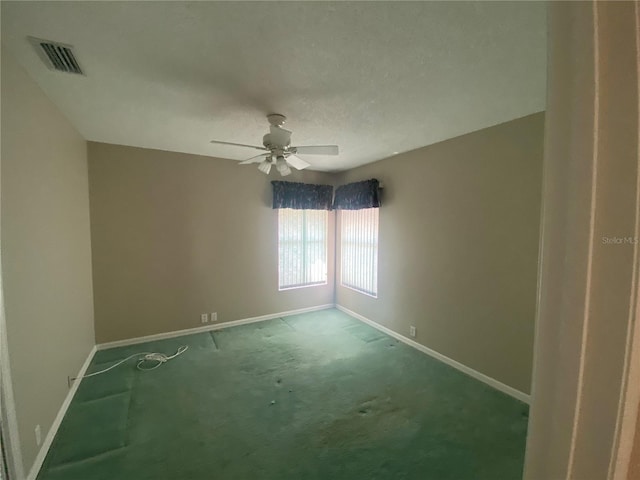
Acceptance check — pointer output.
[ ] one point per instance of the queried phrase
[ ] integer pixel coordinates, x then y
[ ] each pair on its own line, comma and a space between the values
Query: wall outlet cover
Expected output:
38, 435
204, 318
214, 317
412, 331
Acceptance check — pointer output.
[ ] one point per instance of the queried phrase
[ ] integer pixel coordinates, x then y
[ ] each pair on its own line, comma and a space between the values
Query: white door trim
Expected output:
7, 402
585, 390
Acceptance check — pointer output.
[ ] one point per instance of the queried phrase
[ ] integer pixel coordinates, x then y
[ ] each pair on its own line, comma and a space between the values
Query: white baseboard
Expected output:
208, 328
48, 440
523, 397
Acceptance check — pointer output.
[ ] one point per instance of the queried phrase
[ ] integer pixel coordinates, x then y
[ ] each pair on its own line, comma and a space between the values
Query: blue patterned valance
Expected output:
302, 196
359, 195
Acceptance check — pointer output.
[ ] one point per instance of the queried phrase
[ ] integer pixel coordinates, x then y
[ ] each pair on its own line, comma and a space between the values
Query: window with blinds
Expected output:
302, 248
359, 250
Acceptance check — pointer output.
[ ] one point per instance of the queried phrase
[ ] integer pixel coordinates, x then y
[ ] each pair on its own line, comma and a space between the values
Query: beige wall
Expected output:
46, 254
458, 247
177, 235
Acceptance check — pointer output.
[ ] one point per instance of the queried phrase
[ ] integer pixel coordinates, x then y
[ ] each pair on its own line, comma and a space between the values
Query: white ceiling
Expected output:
374, 78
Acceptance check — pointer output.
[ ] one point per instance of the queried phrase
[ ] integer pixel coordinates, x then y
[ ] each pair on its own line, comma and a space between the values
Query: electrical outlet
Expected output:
412, 331
38, 435
204, 318
214, 317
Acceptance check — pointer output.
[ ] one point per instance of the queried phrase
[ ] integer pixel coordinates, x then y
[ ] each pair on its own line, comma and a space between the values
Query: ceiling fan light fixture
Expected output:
265, 166
283, 168
285, 171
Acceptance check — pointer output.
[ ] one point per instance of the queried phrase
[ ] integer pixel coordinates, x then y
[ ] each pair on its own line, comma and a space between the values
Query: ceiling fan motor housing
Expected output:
268, 143
276, 120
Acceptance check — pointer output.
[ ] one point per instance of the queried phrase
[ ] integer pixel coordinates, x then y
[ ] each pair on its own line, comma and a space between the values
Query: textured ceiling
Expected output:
374, 78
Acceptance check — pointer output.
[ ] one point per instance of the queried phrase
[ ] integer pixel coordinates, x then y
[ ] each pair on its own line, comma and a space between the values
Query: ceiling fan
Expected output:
277, 145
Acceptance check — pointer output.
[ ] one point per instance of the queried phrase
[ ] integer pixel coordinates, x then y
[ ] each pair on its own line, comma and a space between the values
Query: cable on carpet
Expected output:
159, 358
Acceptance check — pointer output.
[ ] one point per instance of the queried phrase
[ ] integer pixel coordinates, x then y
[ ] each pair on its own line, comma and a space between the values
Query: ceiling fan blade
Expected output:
256, 159
280, 136
238, 145
316, 150
297, 162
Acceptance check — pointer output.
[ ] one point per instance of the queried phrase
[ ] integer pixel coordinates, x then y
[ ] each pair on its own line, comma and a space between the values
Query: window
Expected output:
302, 248
359, 250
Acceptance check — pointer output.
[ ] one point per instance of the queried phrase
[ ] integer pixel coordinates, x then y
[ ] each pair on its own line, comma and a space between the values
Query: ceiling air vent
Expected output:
57, 56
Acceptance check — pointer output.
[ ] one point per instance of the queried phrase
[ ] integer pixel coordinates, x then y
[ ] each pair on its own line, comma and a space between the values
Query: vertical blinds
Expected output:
302, 247
359, 250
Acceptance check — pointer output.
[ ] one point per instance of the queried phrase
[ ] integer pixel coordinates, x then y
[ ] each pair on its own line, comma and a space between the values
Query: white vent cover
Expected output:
57, 56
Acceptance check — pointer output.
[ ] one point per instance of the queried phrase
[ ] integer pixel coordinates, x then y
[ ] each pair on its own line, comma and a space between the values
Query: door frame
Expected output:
586, 382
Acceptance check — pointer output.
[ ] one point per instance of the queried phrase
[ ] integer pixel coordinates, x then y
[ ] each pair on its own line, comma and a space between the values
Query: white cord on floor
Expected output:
160, 358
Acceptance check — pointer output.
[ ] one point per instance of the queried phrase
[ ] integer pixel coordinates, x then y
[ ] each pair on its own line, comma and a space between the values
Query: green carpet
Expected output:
313, 396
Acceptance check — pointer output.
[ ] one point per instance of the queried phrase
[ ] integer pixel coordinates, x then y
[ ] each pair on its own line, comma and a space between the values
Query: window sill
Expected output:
360, 291
296, 287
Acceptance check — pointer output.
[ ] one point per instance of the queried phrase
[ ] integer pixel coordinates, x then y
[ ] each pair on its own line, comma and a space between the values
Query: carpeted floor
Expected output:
313, 396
